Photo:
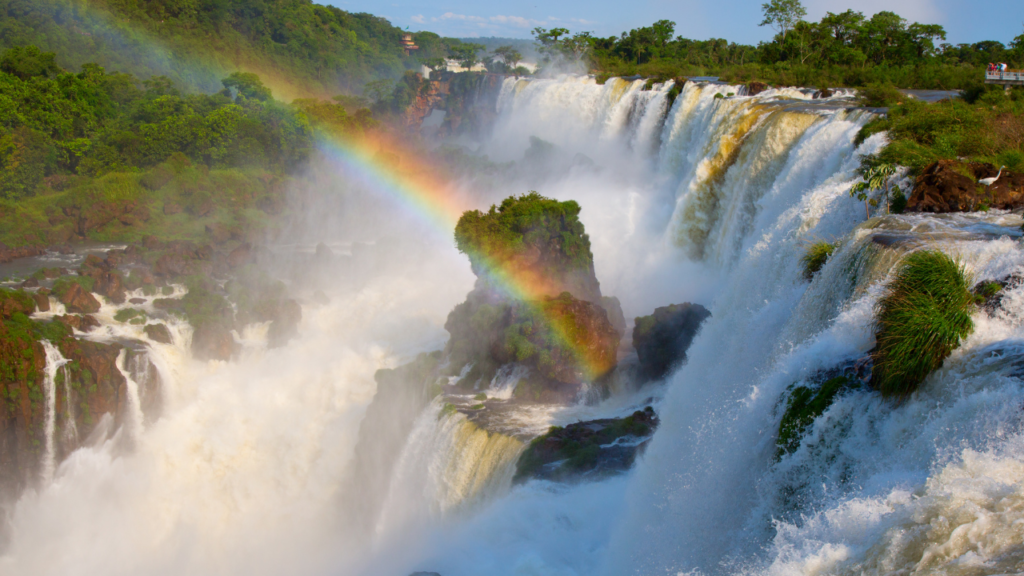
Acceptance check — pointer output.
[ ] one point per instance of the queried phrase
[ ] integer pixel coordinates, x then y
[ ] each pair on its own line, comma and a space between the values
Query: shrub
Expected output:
920, 322
816, 256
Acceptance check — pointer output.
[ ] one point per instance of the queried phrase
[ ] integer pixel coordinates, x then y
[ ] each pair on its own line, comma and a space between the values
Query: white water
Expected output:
54, 362
711, 201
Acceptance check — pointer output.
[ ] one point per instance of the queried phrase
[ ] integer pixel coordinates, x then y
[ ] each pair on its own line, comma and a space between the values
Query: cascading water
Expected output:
54, 362
281, 463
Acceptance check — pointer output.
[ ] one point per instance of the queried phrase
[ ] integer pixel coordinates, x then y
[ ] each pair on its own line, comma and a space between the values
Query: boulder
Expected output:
30, 283
951, 186
214, 342
42, 302
218, 232
662, 338
755, 88
158, 332
14, 302
78, 301
587, 449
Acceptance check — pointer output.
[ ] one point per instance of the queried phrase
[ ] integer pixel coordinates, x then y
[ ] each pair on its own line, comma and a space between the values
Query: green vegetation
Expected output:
313, 49
816, 256
985, 126
61, 286
501, 237
805, 404
480, 396
925, 315
876, 176
131, 316
845, 49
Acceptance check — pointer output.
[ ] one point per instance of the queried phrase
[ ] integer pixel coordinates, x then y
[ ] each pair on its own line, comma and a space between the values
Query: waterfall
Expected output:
134, 413
305, 459
54, 362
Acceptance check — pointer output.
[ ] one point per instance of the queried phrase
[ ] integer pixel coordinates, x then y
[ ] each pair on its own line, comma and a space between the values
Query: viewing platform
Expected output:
1008, 78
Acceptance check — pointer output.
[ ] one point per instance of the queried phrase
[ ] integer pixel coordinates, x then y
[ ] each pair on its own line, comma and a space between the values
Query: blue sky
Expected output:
735, 20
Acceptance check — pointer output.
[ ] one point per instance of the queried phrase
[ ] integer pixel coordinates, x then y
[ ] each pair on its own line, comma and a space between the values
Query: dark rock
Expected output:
42, 302
214, 342
78, 301
662, 338
7, 253
88, 323
30, 283
110, 285
591, 450
137, 300
951, 186
158, 333
755, 88
612, 306
823, 93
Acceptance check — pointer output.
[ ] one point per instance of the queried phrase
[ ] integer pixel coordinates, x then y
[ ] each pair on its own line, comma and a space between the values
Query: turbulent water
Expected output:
260, 466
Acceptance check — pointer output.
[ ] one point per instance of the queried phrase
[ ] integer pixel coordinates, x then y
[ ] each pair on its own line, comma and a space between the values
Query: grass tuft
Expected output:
921, 321
816, 256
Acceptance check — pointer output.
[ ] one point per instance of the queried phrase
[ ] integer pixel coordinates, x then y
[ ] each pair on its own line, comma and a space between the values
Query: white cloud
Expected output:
462, 17
419, 19
517, 21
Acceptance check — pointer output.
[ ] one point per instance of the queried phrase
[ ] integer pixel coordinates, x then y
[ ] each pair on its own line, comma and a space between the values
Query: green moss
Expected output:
804, 406
925, 315
63, 284
477, 407
131, 315
816, 256
446, 411
480, 396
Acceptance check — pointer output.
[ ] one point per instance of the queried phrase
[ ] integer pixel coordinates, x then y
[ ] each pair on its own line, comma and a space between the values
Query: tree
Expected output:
466, 54
875, 177
248, 85
782, 15
28, 62
435, 64
509, 55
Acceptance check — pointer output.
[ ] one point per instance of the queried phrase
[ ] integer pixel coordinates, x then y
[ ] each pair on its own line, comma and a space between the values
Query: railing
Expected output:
1008, 76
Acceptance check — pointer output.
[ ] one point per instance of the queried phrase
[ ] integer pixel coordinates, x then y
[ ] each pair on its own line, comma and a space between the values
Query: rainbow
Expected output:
400, 173
389, 168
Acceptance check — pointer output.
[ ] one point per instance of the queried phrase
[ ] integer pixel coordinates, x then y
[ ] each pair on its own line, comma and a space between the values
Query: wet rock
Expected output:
823, 93
30, 283
214, 342
7, 253
42, 302
951, 186
89, 323
137, 300
662, 338
587, 450
78, 301
158, 332
755, 88
15, 302
110, 285
612, 306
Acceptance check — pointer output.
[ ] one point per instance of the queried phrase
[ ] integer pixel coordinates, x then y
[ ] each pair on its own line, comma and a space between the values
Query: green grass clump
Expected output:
480, 396
131, 315
816, 256
921, 321
63, 284
804, 406
477, 407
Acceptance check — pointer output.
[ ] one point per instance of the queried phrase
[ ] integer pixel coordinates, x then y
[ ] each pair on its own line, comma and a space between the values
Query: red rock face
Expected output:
78, 301
945, 187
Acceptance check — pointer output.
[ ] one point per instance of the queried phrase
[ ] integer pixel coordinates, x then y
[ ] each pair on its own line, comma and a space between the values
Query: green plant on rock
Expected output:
805, 404
131, 316
876, 176
925, 315
816, 256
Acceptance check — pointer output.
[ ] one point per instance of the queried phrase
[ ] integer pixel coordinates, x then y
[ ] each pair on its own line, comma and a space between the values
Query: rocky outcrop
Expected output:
587, 450
755, 88
158, 332
75, 298
662, 338
7, 253
952, 186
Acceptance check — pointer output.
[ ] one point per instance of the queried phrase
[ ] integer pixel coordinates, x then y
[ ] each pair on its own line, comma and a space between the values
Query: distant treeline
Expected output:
846, 49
